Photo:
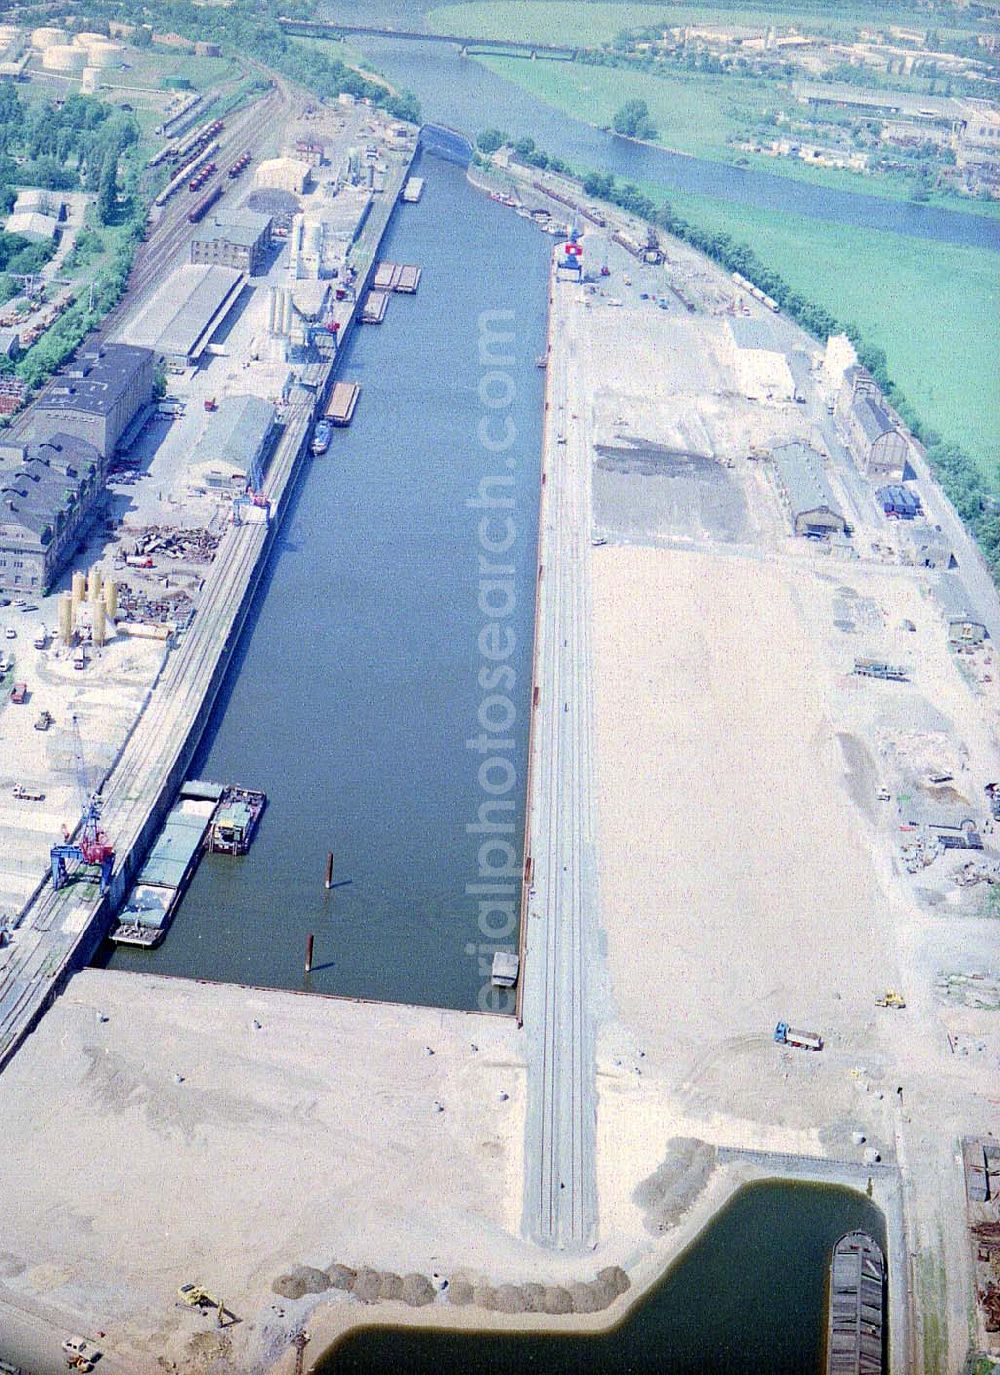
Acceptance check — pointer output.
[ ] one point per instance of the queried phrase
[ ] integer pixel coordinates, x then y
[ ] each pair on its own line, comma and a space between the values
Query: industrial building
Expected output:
241, 241
879, 449
95, 397
32, 224
805, 492
759, 361
39, 200
284, 174
185, 312
48, 497
965, 628
234, 449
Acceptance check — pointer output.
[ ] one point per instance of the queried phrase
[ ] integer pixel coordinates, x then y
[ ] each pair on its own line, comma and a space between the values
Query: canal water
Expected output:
748, 1297
366, 669
461, 92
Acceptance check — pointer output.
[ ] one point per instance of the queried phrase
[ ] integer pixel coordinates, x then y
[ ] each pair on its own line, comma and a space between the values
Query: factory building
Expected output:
965, 627
32, 224
39, 200
186, 311
235, 447
805, 492
97, 396
240, 241
284, 174
879, 449
48, 497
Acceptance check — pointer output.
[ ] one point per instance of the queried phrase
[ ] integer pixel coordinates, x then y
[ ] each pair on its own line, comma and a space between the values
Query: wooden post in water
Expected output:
309, 953
329, 871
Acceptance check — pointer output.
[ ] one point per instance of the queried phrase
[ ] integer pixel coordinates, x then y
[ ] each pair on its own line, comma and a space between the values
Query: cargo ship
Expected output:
856, 1318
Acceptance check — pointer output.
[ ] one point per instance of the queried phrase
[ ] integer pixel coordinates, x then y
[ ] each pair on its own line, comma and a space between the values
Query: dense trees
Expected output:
633, 119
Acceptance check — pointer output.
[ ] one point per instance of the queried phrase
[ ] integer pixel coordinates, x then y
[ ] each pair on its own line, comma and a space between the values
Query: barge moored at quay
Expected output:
856, 1319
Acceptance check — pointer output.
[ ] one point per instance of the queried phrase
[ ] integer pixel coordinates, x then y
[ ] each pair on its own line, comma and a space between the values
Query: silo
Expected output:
103, 54
64, 58
79, 588
66, 617
99, 628
94, 584
111, 598
45, 38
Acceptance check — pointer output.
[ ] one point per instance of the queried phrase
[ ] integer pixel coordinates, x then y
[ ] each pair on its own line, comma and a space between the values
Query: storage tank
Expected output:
103, 55
83, 39
64, 58
66, 617
79, 588
99, 628
45, 38
111, 598
94, 584
8, 34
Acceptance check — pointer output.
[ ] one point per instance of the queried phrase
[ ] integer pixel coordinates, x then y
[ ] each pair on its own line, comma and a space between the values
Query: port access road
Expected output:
560, 1192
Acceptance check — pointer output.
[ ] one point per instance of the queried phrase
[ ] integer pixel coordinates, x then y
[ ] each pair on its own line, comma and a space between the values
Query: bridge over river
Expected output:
319, 28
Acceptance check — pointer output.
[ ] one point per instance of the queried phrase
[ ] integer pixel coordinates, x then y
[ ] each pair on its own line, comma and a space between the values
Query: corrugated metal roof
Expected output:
237, 432
180, 312
872, 418
800, 472
954, 600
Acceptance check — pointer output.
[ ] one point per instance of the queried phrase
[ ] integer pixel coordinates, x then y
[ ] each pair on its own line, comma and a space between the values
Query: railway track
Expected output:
560, 1185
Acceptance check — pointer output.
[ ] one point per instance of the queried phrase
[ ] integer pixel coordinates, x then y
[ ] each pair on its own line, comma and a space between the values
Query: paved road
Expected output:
560, 1199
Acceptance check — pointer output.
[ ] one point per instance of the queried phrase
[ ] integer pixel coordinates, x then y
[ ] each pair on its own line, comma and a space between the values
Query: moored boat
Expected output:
856, 1314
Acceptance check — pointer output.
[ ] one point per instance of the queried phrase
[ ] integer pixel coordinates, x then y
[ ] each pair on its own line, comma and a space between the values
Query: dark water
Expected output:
357, 687
747, 1298
464, 94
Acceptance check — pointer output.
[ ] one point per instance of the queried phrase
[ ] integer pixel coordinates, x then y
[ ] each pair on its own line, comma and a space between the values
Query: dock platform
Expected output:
374, 308
404, 277
857, 1307
413, 190
343, 402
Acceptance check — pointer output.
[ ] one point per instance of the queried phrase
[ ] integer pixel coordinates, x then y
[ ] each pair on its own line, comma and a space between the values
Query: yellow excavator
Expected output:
890, 998
197, 1297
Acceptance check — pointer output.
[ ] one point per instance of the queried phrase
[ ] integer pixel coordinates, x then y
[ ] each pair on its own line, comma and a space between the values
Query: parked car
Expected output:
10, 633
19, 693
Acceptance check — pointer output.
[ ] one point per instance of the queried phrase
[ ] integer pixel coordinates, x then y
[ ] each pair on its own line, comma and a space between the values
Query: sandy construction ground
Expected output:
178, 1141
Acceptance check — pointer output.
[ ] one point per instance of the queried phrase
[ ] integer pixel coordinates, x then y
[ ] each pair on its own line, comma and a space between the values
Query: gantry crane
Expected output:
91, 847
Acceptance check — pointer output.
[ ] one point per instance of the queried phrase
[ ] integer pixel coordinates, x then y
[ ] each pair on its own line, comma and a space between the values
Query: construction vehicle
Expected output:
890, 998
196, 1297
80, 1353
786, 1035
92, 848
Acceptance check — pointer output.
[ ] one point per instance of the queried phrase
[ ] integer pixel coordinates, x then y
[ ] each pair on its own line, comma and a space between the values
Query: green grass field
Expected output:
932, 307
696, 114
596, 21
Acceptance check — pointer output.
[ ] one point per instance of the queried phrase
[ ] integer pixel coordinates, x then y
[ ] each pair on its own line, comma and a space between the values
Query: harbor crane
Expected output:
91, 846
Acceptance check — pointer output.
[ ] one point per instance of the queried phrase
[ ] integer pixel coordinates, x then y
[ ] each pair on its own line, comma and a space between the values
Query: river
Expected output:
466, 95
357, 683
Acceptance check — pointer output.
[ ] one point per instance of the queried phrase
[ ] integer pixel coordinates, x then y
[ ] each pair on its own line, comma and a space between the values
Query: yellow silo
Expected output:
79, 588
99, 630
111, 598
94, 584
66, 617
